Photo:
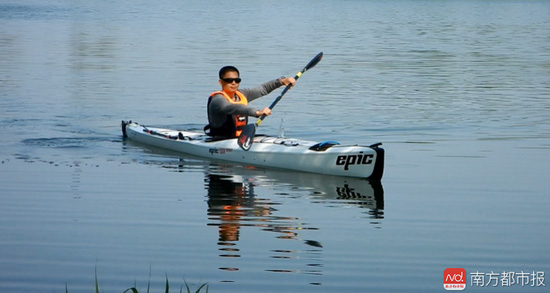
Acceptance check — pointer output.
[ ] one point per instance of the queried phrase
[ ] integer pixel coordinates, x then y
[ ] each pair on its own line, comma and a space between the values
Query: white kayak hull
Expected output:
284, 153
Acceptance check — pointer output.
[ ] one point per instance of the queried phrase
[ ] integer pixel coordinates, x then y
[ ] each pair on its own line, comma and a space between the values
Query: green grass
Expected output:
166, 289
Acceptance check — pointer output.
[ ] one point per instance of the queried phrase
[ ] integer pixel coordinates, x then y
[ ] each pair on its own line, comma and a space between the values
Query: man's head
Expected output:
229, 79
226, 69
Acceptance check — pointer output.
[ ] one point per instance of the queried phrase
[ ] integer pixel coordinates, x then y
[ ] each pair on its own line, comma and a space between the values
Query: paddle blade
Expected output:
246, 138
314, 61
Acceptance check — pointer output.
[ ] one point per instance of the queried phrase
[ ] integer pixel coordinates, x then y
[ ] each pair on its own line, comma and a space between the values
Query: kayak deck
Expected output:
327, 157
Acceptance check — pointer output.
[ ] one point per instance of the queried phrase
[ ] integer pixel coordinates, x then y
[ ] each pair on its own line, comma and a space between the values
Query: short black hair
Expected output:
226, 69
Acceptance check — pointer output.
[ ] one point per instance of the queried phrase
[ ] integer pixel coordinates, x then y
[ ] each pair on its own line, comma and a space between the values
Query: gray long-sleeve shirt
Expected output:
220, 107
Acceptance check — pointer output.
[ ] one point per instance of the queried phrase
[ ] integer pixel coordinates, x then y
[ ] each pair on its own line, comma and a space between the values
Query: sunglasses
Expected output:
231, 80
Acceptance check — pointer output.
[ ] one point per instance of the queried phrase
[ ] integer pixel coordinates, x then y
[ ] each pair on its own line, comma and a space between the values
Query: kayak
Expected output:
328, 157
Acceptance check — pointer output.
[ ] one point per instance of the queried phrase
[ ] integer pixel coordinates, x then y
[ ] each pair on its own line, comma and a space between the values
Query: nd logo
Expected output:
454, 279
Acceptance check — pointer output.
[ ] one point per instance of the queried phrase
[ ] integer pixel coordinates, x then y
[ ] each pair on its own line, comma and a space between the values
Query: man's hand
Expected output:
266, 111
288, 81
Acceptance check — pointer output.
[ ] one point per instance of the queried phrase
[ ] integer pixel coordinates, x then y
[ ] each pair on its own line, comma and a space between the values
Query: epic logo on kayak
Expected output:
348, 160
220, 151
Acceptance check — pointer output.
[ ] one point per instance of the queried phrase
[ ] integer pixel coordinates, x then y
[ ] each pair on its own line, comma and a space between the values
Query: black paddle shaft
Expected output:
310, 65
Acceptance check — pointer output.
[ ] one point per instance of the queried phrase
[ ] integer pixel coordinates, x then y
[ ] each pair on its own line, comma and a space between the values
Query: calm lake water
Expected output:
457, 91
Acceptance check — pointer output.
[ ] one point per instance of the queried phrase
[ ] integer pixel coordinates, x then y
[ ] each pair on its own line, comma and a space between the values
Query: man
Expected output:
228, 109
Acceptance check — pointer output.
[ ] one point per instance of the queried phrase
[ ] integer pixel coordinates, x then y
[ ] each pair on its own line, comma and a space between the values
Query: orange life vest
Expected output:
234, 123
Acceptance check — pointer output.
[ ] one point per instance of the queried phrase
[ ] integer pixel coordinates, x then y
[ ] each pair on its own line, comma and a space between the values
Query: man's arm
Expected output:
219, 109
261, 90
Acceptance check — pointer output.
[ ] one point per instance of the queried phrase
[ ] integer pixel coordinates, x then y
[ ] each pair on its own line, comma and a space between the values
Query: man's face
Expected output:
228, 82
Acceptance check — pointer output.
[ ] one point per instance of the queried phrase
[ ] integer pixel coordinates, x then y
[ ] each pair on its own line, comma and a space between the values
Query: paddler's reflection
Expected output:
228, 203
232, 204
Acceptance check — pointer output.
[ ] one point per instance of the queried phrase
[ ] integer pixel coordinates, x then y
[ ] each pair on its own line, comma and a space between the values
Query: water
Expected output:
458, 92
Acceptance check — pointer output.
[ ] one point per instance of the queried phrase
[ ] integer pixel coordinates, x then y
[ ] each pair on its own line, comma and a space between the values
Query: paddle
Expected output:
246, 138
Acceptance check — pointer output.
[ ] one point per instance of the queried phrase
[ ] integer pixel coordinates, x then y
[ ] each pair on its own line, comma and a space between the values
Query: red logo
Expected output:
454, 279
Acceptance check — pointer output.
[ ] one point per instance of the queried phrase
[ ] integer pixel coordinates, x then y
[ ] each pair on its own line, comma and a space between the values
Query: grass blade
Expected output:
202, 286
149, 282
96, 283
